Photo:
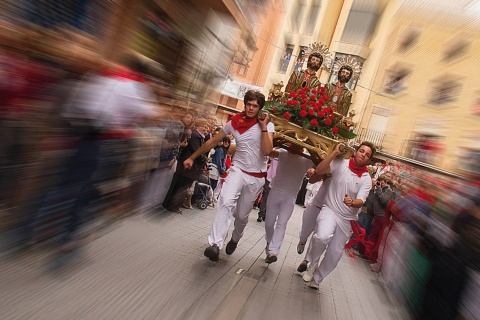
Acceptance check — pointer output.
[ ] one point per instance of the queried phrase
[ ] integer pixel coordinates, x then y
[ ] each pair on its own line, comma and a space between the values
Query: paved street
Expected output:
154, 268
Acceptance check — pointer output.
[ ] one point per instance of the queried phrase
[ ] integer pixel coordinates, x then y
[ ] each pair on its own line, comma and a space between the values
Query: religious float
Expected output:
308, 118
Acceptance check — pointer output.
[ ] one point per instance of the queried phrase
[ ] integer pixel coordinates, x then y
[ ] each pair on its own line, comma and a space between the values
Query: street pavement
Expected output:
152, 267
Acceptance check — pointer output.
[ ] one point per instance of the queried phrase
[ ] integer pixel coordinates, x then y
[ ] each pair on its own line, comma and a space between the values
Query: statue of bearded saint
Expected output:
306, 78
339, 97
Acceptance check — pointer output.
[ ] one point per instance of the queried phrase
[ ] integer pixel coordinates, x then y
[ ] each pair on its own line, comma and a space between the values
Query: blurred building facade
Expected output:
415, 97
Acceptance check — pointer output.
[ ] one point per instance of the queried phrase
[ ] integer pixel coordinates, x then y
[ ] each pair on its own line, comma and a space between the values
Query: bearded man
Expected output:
339, 97
306, 78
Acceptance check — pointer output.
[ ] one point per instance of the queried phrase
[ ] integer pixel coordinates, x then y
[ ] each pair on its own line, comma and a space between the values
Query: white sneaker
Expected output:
314, 285
300, 247
308, 275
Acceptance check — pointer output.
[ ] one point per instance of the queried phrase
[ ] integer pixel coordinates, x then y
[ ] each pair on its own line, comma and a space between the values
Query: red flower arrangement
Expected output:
308, 109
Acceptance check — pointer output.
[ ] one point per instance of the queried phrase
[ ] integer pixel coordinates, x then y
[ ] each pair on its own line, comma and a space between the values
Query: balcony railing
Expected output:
375, 137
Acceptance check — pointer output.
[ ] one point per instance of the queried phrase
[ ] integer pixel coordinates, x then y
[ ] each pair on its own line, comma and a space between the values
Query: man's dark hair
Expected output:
346, 68
370, 145
316, 54
254, 95
134, 63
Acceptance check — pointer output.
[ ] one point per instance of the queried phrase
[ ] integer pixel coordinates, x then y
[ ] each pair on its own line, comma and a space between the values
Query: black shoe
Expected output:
271, 258
261, 217
212, 253
302, 266
231, 247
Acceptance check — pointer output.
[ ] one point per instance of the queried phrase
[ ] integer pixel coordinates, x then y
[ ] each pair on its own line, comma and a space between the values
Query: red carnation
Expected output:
324, 97
311, 112
315, 108
274, 109
295, 102
290, 103
303, 96
293, 94
304, 100
304, 106
302, 113
321, 101
332, 116
314, 91
334, 130
314, 122
322, 89
321, 114
306, 89
287, 115
328, 121
312, 103
313, 98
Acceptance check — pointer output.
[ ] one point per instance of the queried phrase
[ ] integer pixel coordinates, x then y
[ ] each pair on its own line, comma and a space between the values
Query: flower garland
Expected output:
309, 109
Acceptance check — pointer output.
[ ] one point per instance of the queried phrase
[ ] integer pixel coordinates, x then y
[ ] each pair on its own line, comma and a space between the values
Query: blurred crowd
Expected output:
422, 234
85, 139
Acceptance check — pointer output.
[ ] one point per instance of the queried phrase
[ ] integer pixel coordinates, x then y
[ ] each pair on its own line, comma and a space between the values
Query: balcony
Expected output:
375, 137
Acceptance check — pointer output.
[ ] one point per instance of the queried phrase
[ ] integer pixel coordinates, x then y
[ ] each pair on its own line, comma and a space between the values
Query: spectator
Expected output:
184, 178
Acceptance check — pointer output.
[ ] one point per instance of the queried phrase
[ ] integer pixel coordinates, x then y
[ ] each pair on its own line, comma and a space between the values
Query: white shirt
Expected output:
290, 172
272, 170
344, 181
248, 152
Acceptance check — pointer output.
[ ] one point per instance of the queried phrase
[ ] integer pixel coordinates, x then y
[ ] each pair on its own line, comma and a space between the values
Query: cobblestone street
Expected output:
153, 268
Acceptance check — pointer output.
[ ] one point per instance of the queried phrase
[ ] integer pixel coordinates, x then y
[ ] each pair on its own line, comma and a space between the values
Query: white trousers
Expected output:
236, 200
309, 219
310, 215
280, 206
331, 233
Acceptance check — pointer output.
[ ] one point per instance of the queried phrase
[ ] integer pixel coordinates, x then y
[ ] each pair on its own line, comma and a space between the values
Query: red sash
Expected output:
241, 123
255, 174
122, 74
360, 237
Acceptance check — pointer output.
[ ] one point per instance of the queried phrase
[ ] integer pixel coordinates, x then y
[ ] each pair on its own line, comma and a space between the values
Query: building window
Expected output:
444, 92
359, 27
301, 59
285, 59
298, 16
395, 81
456, 50
408, 39
312, 21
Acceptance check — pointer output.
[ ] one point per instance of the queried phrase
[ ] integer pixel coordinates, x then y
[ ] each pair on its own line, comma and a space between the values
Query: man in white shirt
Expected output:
246, 177
348, 189
281, 199
272, 169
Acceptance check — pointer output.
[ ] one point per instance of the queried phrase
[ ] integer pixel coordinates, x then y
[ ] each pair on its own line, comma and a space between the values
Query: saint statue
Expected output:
339, 96
308, 78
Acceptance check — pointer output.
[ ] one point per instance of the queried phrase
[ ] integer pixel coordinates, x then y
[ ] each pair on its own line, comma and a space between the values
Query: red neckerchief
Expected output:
357, 171
122, 74
241, 123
